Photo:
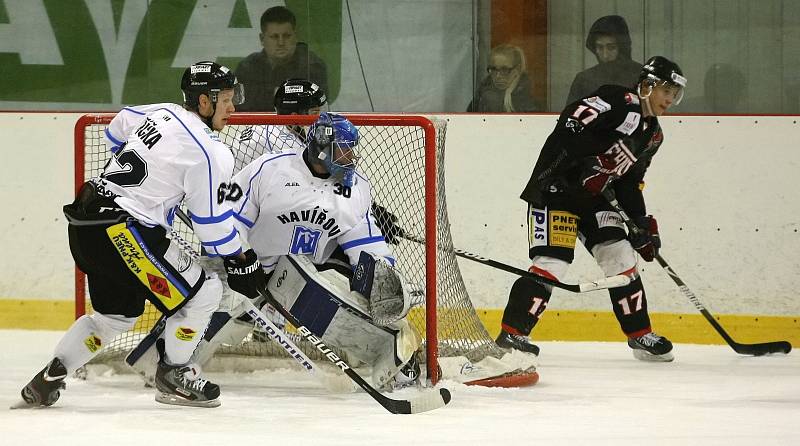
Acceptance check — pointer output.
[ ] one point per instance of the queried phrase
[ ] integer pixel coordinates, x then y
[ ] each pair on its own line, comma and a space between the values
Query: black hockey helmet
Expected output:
658, 70
298, 96
209, 78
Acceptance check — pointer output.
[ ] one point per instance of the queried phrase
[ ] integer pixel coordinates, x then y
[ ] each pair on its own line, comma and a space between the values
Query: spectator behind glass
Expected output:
507, 86
724, 86
610, 41
283, 57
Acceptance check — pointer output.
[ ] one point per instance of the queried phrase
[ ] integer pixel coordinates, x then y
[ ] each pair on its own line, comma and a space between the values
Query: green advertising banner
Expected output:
61, 52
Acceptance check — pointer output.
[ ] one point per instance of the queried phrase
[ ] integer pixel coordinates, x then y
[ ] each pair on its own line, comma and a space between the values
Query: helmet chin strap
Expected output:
209, 120
645, 99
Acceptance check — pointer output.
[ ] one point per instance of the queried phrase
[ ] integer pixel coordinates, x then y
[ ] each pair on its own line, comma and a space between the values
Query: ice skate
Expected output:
409, 374
44, 388
651, 347
183, 386
522, 343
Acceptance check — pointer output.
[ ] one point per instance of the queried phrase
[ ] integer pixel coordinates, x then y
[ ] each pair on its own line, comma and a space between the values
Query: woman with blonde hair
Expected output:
506, 88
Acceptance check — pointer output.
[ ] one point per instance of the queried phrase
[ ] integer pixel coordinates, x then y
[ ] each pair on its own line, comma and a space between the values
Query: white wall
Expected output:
724, 194
35, 181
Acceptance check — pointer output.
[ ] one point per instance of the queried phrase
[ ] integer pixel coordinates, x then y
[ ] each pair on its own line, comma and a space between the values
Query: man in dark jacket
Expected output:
282, 58
610, 41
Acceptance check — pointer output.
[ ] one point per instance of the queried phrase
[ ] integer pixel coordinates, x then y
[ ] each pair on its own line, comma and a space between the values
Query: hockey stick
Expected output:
742, 349
601, 284
423, 403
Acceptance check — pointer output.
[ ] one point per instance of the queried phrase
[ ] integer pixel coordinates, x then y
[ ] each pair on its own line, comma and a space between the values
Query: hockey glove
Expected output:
602, 169
246, 276
646, 240
387, 222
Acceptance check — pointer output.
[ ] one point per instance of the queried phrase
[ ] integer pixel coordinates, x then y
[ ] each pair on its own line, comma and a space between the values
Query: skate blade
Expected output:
643, 355
175, 400
22, 404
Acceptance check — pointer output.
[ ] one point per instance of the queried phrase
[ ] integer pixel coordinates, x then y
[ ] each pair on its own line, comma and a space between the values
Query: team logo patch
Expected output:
606, 219
304, 241
93, 343
563, 228
630, 124
537, 227
574, 125
184, 262
206, 68
211, 134
158, 285
598, 104
185, 333
632, 98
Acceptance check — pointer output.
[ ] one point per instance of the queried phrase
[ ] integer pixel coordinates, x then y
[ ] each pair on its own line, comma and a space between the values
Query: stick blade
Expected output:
424, 403
766, 348
608, 282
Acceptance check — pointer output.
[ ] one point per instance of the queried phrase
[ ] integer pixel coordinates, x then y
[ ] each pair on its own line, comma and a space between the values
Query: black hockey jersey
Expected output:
605, 124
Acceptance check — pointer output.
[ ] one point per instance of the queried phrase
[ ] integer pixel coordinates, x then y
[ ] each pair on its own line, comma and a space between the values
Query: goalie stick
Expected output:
423, 403
758, 349
601, 284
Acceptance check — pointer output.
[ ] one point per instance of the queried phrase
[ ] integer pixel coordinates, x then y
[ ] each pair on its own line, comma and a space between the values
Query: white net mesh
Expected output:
393, 151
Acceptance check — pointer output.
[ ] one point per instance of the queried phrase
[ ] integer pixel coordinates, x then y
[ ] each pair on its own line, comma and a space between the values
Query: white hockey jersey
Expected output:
256, 140
164, 154
288, 210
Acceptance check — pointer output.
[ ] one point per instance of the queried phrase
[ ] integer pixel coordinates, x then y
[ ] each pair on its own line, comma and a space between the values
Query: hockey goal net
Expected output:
403, 156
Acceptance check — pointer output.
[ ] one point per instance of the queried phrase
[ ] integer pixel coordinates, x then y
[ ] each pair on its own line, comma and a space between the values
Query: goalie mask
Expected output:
299, 97
332, 141
659, 70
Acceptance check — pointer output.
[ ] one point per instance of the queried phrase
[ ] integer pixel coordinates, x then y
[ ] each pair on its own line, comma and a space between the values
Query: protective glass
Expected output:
505, 71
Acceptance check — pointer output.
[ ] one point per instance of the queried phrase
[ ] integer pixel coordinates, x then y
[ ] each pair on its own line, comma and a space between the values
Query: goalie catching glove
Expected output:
384, 287
646, 240
245, 274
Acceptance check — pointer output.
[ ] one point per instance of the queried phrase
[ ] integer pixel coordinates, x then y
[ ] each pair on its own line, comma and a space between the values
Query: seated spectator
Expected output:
507, 88
724, 86
283, 57
610, 41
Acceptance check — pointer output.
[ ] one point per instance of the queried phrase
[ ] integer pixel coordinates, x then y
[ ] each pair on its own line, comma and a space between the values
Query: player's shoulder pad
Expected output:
619, 97
625, 107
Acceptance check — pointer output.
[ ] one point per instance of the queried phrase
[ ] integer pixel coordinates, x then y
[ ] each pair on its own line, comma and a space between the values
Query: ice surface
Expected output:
589, 393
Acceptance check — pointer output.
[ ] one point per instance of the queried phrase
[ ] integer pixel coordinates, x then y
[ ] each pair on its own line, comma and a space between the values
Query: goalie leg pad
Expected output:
323, 302
381, 283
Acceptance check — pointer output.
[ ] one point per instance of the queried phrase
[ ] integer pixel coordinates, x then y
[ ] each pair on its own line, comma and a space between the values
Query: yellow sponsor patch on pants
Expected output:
185, 333
138, 260
563, 228
93, 343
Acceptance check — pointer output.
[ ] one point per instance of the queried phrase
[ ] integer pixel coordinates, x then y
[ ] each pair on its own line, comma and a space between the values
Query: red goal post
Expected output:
402, 155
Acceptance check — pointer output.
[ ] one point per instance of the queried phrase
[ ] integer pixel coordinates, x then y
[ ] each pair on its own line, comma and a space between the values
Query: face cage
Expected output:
341, 167
654, 82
